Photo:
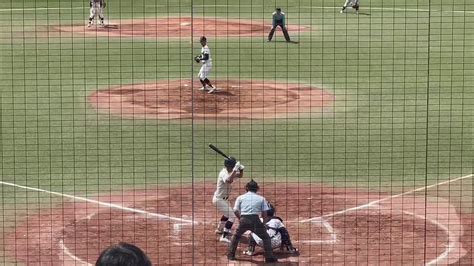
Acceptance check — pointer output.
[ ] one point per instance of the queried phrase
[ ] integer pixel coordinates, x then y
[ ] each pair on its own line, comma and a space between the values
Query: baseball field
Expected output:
360, 132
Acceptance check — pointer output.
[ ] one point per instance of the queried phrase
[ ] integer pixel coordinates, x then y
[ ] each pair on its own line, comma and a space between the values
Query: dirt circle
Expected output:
176, 27
398, 232
234, 99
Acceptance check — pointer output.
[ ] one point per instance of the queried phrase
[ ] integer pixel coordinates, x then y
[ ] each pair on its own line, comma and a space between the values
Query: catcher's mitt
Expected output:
197, 58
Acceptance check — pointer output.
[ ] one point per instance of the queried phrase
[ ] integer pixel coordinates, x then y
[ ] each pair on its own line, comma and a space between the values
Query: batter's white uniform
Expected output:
206, 64
221, 195
275, 237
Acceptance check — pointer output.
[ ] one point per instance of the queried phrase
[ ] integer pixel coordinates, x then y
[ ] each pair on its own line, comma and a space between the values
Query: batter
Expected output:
232, 169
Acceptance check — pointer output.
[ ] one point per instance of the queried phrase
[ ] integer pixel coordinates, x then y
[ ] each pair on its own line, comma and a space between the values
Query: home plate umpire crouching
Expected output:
248, 208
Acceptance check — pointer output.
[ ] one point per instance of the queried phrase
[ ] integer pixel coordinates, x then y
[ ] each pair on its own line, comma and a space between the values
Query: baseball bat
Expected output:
218, 150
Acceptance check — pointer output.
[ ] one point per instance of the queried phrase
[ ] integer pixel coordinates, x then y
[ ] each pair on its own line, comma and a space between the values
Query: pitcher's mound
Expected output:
234, 99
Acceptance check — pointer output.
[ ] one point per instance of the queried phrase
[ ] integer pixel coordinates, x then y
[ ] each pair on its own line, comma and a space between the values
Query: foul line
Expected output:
234, 5
338, 7
39, 8
105, 204
367, 205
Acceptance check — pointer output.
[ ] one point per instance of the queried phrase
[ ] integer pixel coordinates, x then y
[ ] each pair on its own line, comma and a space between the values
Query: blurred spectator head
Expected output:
123, 254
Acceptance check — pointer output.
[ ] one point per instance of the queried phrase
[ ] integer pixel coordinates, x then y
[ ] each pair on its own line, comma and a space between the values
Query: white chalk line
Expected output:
451, 240
39, 8
367, 205
68, 253
338, 8
233, 5
329, 229
375, 203
105, 204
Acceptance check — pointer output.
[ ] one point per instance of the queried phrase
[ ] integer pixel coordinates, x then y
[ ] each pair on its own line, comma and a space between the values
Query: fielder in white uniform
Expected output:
279, 236
206, 62
232, 169
353, 3
96, 8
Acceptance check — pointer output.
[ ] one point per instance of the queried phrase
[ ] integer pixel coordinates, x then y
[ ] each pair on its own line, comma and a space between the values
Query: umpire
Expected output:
278, 19
248, 208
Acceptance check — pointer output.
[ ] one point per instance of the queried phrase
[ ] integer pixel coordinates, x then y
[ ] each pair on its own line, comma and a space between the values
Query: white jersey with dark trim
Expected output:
205, 50
223, 187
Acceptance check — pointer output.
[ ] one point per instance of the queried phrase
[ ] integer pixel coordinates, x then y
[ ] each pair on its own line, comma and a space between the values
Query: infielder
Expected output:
96, 8
279, 236
206, 61
232, 169
353, 3
278, 19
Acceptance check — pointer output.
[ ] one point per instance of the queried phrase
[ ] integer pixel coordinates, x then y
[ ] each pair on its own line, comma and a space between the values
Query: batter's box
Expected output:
315, 231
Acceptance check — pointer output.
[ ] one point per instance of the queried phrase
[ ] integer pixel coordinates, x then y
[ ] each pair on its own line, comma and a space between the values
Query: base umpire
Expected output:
278, 20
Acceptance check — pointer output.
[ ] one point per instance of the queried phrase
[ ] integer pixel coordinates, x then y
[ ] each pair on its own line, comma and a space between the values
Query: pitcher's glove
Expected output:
197, 58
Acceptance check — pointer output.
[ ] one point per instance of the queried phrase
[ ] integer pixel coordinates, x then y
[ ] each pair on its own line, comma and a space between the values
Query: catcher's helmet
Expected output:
230, 162
252, 186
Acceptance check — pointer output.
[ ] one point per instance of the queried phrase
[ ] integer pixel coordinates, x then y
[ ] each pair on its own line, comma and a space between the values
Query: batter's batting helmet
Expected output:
230, 162
252, 186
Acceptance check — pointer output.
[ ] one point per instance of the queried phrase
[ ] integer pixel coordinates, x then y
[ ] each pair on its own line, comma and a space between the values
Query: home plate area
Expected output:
181, 229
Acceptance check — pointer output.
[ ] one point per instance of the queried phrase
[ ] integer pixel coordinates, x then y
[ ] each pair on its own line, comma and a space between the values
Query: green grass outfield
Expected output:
402, 73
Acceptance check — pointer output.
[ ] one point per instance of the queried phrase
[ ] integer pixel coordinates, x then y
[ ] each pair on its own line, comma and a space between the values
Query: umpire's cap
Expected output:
230, 162
252, 186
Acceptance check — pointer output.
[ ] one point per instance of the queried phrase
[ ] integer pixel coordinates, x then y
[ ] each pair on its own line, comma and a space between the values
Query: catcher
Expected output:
279, 236
354, 4
96, 8
205, 59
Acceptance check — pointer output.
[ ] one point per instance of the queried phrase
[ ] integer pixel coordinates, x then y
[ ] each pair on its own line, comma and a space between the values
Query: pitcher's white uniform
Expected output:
221, 195
206, 64
96, 8
275, 237
352, 3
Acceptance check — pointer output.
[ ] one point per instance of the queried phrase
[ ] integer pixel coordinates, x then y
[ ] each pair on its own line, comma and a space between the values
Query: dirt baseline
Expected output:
176, 27
398, 231
234, 99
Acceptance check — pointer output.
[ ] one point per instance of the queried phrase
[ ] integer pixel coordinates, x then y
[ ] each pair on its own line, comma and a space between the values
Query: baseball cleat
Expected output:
212, 90
271, 260
203, 89
292, 250
248, 252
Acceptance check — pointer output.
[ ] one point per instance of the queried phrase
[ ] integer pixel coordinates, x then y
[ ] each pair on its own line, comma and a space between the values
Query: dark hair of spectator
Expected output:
123, 254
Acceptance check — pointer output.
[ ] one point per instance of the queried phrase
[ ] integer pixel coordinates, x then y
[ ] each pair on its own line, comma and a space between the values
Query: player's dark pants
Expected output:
283, 28
252, 223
